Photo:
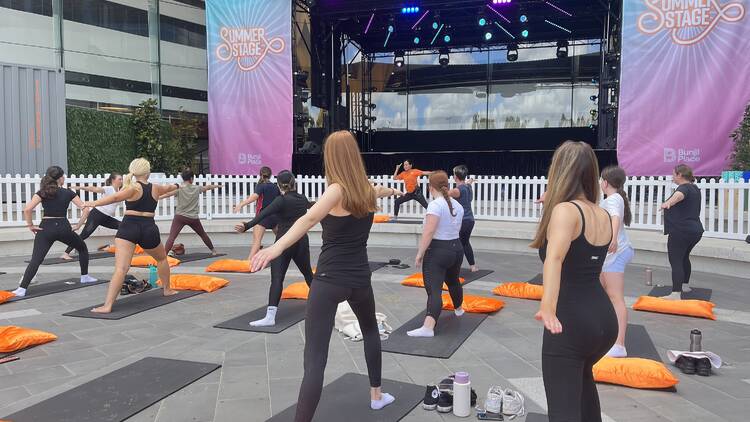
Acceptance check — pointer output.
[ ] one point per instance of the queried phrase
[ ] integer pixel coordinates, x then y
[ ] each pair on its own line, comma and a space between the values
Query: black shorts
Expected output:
269, 222
139, 230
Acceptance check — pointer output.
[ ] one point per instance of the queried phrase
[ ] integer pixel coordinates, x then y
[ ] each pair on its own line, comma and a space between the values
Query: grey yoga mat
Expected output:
92, 255
134, 304
450, 334
43, 289
698, 293
290, 313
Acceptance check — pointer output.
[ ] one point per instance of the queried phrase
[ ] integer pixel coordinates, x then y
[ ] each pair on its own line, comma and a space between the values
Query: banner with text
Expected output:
249, 85
684, 83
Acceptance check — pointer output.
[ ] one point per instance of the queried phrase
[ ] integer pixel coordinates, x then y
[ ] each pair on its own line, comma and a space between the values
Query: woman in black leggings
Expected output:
54, 227
440, 249
465, 195
579, 320
345, 211
288, 207
682, 222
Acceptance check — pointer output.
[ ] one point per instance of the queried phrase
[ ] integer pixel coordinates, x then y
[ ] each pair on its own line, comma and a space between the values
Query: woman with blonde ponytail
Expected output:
440, 253
137, 227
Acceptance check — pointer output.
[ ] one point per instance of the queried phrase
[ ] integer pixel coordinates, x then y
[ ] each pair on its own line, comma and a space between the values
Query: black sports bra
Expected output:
146, 203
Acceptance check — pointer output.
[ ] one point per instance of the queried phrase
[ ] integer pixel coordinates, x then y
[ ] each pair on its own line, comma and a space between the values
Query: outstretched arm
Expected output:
93, 189
384, 192
273, 208
209, 187
120, 196
249, 200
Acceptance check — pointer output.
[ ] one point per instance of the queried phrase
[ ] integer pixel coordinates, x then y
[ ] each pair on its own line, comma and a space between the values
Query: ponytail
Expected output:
265, 174
127, 180
628, 217
615, 177
138, 167
444, 191
439, 182
48, 187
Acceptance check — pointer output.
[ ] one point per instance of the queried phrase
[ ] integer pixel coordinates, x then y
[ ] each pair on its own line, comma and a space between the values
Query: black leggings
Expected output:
300, 254
442, 263
467, 226
416, 196
55, 230
679, 246
96, 218
321, 311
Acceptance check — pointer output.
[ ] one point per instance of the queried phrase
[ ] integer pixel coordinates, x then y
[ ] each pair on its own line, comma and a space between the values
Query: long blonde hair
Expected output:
137, 168
343, 165
574, 172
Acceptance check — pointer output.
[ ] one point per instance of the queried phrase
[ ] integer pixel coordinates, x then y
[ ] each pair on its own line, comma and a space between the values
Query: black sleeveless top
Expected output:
57, 205
146, 203
343, 256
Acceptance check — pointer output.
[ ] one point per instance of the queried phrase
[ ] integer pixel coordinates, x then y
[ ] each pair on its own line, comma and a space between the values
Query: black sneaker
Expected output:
473, 398
703, 367
445, 402
431, 398
686, 365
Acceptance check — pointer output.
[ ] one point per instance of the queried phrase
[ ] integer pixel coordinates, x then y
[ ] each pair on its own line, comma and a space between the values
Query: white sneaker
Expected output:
513, 404
673, 296
686, 288
617, 351
494, 401
88, 279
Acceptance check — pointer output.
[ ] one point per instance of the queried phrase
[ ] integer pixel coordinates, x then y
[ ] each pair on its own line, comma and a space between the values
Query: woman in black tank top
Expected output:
579, 320
137, 228
345, 211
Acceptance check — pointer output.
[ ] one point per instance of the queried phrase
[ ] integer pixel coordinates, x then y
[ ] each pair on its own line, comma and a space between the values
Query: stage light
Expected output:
372, 106
487, 36
398, 58
420, 19
447, 38
444, 57
523, 18
525, 33
440, 28
592, 112
512, 52
409, 10
482, 21
416, 40
558, 26
501, 1
505, 30
388, 37
499, 14
562, 49
435, 25
367, 28
390, 28
558, 8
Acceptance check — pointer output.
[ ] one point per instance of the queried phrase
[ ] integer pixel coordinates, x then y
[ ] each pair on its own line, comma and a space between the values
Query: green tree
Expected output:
740, 155
185, 134
146, 122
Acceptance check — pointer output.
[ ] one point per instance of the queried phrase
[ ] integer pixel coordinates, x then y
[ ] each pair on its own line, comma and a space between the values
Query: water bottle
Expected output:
649, 276
462, 395
695, 341
153, 276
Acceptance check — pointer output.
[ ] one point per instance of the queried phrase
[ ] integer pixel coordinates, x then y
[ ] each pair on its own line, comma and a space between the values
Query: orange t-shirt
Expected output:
410, 178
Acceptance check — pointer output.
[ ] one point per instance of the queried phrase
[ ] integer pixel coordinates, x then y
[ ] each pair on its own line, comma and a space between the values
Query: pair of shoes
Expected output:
436, 399
690, 365
513, 404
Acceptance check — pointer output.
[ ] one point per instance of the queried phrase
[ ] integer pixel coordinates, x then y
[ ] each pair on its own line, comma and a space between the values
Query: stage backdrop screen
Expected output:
684, 84
249, 85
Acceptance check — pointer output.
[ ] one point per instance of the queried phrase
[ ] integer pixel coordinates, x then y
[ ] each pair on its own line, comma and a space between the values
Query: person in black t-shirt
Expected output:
683, 225
265, 193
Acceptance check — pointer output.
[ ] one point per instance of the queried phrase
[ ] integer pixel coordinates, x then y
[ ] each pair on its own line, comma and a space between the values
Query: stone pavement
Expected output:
261, 373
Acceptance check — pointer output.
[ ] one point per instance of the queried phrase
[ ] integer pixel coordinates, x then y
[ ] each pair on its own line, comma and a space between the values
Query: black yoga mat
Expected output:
290, 313
470, 276
348, 398
698, 293
134, 304
450, 334
406, 221
120, 394
537, 279
374, 266
43, 289
58, 260
190, 257
639, 344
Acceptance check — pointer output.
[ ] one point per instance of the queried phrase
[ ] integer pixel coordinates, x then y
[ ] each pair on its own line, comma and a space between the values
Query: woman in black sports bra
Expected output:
579, 320
345, 211
137, 228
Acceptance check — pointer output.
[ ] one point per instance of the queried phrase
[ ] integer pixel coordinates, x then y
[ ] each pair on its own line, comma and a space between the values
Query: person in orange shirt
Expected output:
410, 176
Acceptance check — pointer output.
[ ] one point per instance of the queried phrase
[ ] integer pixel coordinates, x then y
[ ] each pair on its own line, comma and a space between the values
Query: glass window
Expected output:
389, 95
27, 33
109, 15
182, 32
39, 7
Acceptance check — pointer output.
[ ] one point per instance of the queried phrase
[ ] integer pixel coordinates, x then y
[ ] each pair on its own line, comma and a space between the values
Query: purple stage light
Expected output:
367, 28
499, 14
420, 19
554, 6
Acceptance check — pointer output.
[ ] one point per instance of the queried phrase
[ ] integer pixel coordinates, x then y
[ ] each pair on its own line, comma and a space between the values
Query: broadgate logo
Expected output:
248, 46
688, 21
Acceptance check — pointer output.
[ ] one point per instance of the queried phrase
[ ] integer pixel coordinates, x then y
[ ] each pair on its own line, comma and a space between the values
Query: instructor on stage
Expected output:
410, 176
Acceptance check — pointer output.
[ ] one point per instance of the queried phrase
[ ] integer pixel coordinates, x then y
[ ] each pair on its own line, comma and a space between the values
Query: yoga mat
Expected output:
348, 399
135, 304
92, 255
43, 289
374, 266
470, 276
120, 394
698, 293
406, 221
190, 257
537, 279
290, 313
450, 334
639, 344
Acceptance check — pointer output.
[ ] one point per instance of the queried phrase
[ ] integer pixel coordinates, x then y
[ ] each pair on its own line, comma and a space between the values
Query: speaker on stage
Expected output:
314, 143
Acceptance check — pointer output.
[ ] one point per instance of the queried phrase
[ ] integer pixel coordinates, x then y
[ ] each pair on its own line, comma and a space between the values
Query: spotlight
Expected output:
525, 33
301, 77
398, 58
487, 36
592, 112
372, 106
482, 21
444, 57
512, 52
562, 49
523, 18
435, 25
593, 97
390, 28
501, 1
416, 40
447, 38
409, 10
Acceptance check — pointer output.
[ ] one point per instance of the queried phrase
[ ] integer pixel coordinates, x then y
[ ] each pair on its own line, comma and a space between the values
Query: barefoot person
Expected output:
465, 195
186, 213
137, 228
54, 227
288, 207
440, 253
345, 211
410, 176
265, 193
99, 216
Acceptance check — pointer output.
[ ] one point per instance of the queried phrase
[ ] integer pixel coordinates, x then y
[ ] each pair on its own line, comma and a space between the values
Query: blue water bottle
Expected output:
153, 276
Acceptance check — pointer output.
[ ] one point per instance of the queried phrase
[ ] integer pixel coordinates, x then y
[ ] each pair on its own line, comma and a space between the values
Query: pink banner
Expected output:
684, 84
249, 85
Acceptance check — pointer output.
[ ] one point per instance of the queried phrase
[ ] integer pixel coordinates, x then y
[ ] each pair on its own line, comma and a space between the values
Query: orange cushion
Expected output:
296, 291
138, 249
519, 289
146, 260
206, 283
634, 372
5, 296
14, 338
475, 304
695, 308
381, 218
229, 266
417, 280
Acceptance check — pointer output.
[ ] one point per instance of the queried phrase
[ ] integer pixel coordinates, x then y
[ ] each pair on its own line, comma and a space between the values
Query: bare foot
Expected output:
102, 310
169, 292
474, 268
66, 257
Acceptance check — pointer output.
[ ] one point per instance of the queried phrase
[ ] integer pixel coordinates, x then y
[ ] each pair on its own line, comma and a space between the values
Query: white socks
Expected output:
269, 320
686, 288
87, 279
617, 351
20, 292
420, 332
459, 311
673, 296
384, 401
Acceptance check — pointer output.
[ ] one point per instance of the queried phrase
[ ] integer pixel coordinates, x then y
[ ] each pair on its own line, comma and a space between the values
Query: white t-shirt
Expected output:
615, 206
448, 225
111, 208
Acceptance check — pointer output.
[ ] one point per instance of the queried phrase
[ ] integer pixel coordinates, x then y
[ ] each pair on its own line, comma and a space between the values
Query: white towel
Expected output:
346, 323
673, 355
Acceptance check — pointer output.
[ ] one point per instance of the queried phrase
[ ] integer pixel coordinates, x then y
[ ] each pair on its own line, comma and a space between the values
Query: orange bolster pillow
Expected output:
694, 308
5, 296
206, 283
138, 249
14, 338
297, 290
229, 266
475, 304
417, 280
146, 260
381, 218
519, 289
634, 372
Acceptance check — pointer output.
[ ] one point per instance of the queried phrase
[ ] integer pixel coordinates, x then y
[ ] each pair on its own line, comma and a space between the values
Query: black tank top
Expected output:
343, 256
57, 205
146, 203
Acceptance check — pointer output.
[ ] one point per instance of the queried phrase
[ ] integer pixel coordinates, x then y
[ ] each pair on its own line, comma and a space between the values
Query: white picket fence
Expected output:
496, 198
